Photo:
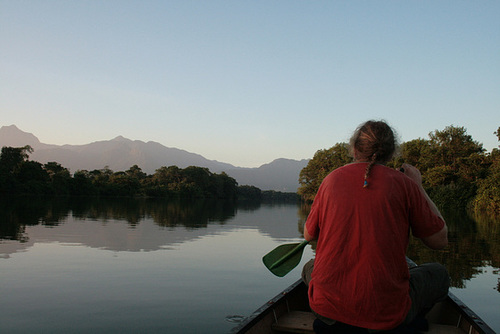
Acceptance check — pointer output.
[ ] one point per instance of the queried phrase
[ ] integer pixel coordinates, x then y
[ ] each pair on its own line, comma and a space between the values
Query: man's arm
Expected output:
438, 240
307, 236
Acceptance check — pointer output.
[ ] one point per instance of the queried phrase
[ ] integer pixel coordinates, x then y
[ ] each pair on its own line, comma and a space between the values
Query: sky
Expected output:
247, 82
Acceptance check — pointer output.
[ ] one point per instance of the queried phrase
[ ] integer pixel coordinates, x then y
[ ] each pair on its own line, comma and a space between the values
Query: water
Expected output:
151, 266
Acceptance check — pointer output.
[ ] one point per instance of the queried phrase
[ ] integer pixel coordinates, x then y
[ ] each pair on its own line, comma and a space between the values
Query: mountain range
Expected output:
119, 154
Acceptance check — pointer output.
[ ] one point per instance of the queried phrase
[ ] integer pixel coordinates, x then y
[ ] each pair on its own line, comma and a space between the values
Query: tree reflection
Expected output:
473, 244
474, 240
191, 213
18, 212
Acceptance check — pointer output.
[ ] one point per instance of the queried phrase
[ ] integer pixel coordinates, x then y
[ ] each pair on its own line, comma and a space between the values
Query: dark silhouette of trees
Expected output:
20, 176
456, 172
16, 171
488, 193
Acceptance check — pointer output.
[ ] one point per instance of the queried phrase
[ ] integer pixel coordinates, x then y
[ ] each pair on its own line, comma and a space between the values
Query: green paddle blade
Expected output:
281, 260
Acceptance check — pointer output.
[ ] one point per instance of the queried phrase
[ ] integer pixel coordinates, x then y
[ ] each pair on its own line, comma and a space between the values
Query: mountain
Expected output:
120, 153
280, 175
12, 136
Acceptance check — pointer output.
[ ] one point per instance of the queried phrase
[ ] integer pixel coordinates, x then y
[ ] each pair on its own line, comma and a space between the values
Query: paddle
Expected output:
281, 260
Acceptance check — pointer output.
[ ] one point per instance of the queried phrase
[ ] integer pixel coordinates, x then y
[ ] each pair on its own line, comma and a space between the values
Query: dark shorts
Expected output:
429, 285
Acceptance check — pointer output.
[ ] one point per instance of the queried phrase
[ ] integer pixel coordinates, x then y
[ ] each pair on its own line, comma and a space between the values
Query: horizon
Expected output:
247, 82
182, 149
142, 141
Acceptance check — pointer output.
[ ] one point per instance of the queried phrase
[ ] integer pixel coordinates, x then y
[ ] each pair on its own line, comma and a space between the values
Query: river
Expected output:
158, 266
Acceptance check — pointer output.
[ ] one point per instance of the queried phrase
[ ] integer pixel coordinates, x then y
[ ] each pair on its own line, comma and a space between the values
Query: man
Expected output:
361, 218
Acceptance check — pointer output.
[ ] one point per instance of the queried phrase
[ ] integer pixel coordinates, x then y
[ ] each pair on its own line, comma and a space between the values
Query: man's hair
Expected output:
373, 142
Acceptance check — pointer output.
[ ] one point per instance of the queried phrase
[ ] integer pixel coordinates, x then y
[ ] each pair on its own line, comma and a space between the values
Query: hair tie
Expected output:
365, 184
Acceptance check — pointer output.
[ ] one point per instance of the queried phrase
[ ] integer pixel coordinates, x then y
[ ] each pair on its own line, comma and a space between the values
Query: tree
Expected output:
11, 161
123, 184
33, 178
101, 180
452, 144
488, 193
11, 158
81, 184
166, 175
323, 162
415, 152
454, 165
136, 172
199, 179
247, 192
223, 186
60, 177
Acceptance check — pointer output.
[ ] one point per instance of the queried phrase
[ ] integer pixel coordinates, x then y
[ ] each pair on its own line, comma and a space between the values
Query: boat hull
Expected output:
450, 316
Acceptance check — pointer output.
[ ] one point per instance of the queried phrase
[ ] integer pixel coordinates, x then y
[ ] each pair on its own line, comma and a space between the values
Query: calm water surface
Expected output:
128, 266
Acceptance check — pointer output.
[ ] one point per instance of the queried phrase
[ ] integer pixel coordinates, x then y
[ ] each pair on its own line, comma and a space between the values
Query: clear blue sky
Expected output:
246, 82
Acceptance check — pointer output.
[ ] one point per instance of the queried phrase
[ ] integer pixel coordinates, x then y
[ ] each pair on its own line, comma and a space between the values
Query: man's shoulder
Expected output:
340, 171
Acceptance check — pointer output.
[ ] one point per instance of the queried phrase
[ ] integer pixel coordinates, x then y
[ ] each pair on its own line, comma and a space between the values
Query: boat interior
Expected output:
290, 313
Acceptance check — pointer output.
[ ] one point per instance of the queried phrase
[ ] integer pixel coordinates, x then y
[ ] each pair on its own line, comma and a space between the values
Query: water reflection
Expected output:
126, 224
17, 213
473, 245
474, 240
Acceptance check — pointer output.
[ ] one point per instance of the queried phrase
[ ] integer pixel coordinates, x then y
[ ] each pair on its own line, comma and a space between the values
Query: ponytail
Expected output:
369, 168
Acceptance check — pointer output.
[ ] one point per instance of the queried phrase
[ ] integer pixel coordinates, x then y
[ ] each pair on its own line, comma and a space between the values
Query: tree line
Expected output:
457, 172
20, 176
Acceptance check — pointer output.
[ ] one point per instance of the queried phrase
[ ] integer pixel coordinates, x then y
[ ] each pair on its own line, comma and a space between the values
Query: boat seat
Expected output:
295, 322
443, 329
302, 322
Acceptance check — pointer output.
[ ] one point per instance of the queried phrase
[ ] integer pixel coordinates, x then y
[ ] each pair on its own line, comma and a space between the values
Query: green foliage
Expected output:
12, 158
191, 182
19, 176
81, 184
452, 144
437, 176
455, 195
248, 193
452, 164
279, 196
415, 152
488, 193
59, 176
456, 171
323, 162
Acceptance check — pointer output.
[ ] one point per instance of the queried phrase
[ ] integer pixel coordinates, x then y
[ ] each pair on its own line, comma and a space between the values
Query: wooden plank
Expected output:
292, 297
295, 322
443, 329
302, 323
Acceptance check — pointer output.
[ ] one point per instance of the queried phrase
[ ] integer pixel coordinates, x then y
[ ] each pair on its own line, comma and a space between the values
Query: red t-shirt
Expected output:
360, 274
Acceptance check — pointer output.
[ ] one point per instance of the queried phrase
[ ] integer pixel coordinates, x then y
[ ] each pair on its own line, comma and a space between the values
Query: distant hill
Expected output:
120, 153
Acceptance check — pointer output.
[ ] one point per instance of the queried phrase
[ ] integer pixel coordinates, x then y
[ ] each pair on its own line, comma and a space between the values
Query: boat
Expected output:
289, 312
